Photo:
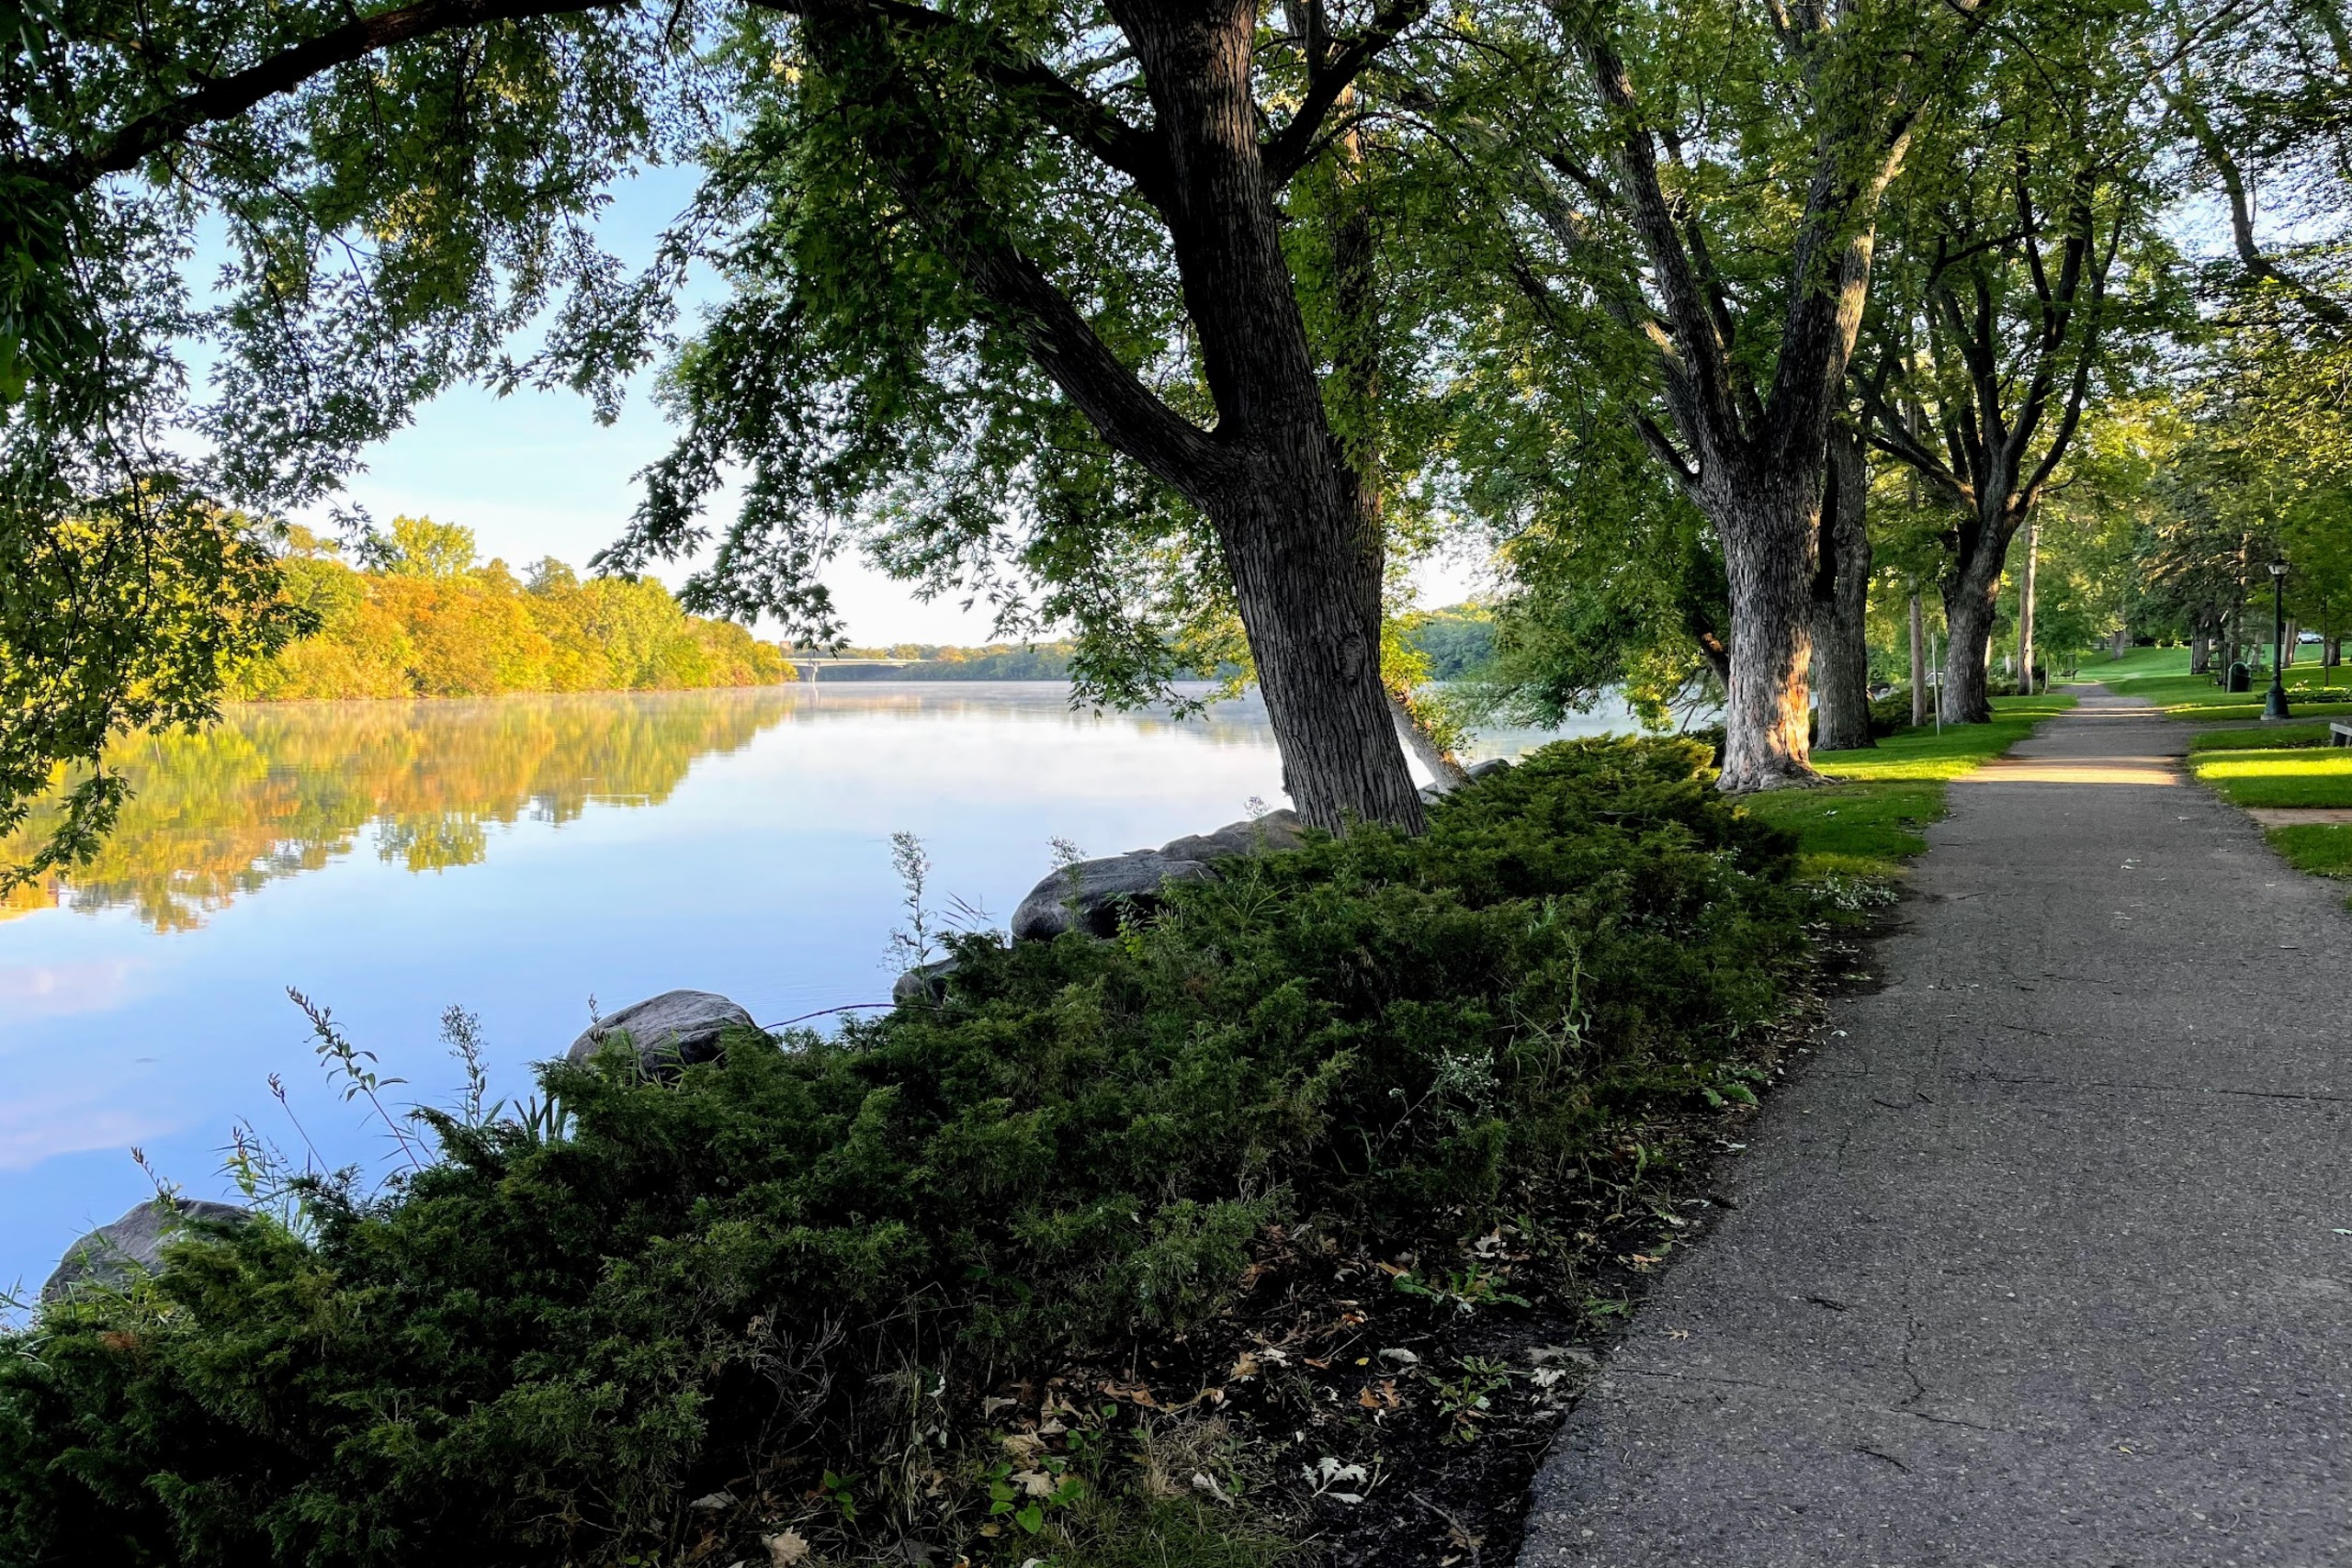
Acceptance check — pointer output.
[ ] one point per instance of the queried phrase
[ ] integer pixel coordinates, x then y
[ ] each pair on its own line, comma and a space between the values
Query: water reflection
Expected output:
277, 789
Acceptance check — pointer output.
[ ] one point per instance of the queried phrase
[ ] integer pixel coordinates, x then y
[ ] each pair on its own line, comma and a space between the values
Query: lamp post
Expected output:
2274, 702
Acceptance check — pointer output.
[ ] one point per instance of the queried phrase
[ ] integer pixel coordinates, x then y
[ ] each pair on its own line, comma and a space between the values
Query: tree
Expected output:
1841, 588
2019, 278
1709, 178
1047, 251
418, 547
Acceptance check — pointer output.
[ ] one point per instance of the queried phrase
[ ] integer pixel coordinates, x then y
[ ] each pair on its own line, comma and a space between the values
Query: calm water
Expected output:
518, 856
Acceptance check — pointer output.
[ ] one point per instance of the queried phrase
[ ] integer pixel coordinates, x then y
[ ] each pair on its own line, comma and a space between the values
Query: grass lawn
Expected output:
2253, 775
2324, 849
2161, 675
1868, 822
2268, 738
2286, 766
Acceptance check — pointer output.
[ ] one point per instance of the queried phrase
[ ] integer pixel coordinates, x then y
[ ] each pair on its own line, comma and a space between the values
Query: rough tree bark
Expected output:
2025, 609
1842, 649
2201, 649
1918, 659
1356, 362
1749, 456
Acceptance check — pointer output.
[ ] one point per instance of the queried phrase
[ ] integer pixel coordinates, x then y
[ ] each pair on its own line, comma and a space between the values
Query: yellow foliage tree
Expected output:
431, 622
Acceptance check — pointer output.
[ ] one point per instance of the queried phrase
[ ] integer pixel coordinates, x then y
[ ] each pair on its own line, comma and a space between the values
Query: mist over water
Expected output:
518, 856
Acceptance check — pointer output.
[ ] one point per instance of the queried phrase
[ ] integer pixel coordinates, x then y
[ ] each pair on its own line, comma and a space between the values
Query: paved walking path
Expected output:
2043, 1263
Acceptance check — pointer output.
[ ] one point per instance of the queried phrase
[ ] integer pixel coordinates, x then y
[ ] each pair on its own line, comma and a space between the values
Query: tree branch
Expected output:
1133, 152
2250, 257
231, 95
1287, 151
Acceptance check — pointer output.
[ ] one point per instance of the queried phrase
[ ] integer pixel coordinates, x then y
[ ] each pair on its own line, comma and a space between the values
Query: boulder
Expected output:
1283, 830
676, 1028
924, 985
1489, 768
1099, 892
113, 1254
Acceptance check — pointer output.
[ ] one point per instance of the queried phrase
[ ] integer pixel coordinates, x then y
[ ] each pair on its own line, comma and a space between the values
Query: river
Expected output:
518, 857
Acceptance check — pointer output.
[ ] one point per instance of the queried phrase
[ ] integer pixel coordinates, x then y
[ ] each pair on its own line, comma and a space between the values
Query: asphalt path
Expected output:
2045, 1258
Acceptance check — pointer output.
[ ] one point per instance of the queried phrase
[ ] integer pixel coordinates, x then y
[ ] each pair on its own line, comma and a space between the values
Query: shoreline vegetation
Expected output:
1297, 1211
426, 617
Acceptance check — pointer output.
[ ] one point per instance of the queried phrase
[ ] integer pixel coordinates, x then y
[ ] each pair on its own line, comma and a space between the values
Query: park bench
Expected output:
2339, 733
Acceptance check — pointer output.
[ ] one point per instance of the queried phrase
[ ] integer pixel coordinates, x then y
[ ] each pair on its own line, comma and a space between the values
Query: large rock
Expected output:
111, 1256
676, 1028
1098, 892
1283, 830
925, 985
1489, 767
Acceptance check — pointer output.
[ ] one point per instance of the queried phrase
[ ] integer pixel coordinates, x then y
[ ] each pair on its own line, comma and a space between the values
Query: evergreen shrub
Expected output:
796, 1273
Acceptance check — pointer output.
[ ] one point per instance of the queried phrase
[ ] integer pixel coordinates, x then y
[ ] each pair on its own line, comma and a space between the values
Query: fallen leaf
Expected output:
1138, 1394
786, 1549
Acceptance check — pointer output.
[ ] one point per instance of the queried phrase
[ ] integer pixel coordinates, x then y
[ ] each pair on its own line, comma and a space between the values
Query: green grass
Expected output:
2324, 849
2095, 665
2278, 777
2269, 737
2160, 675
1869, 821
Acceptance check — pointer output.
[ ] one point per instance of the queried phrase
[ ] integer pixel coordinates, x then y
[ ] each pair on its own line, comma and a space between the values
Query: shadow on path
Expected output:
2045, 1260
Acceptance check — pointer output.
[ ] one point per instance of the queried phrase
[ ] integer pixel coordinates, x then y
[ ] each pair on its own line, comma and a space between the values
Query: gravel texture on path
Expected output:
2044, 1259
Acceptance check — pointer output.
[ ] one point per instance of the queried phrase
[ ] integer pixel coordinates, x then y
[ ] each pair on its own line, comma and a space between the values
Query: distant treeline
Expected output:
944, 661
425, 620
1456, 641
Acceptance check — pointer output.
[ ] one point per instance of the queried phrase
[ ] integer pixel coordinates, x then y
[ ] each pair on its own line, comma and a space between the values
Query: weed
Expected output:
1464, 1401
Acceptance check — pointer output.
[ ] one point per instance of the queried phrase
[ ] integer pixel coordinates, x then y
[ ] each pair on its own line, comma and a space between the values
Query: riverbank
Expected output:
1420, 1322
1153, 1199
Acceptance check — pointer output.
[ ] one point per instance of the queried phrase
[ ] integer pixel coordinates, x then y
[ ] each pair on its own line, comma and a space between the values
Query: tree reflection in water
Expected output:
279, 789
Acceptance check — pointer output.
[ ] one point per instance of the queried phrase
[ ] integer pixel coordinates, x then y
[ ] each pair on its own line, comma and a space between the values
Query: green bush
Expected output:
796, 1272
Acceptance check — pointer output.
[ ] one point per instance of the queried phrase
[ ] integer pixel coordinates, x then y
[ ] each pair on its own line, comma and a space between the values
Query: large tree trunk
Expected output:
1304, 551
1308, 584
1918, 661
1767, 539
1841, 584
1969, 613
1303, 558
2201, 649
2025, 611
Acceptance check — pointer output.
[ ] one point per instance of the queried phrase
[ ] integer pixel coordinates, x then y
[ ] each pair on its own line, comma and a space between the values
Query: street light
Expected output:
2274, 702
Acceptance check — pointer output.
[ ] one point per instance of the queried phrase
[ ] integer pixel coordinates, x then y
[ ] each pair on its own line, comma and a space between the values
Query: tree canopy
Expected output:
1169, 325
